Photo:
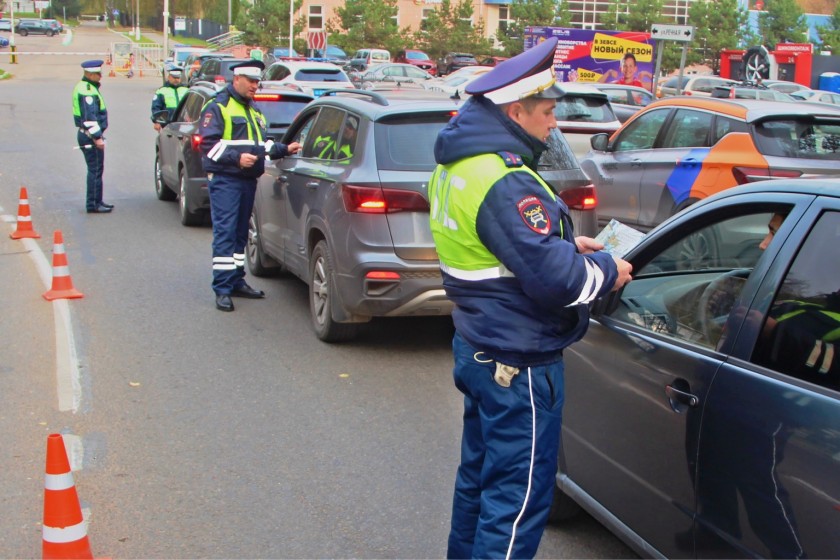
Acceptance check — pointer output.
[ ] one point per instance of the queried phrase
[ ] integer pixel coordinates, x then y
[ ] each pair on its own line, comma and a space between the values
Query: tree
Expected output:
450, 28
830, 34
265, 22
782, 22
527, 13
366, 23
717, 25
72, 8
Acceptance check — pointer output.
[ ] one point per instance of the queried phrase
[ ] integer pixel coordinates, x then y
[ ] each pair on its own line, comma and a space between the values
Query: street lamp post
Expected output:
165, 28
291, 26
137, 21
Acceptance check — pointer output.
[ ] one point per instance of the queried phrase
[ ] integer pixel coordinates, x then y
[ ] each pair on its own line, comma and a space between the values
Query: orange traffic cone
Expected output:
65, 530
62, 284
24, 219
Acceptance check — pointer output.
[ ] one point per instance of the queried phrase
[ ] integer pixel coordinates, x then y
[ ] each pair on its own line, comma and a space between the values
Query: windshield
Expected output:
280, 112
805, 138
321, 75
416, 56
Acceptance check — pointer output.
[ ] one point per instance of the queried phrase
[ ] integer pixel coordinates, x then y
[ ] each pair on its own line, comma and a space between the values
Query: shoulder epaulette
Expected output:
511, 159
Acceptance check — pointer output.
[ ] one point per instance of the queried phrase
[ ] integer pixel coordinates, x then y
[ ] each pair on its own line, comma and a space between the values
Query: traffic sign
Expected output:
681, 33
316, 40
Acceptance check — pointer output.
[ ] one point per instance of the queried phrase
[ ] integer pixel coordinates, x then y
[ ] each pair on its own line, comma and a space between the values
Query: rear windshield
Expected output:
416, 56
558, 155
281, 112
799, 138
464, 58
584, 109
406, 142
320, 75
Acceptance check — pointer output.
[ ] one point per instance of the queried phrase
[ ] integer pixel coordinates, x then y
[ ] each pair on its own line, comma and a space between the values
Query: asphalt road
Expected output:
195, 433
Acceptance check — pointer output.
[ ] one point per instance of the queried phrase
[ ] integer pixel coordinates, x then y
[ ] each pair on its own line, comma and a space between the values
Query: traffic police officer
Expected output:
234, 152
169, 95
91, 118
520, 282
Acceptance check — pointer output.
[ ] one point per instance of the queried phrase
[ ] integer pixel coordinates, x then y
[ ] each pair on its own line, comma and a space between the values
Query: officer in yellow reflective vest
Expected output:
234, 151
521, 283
91, 119
168, 96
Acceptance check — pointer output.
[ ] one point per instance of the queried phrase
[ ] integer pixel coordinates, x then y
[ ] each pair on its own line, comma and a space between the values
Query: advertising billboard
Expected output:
590, 55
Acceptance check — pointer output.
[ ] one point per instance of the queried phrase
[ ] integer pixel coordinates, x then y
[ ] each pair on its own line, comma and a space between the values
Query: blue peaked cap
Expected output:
529, 74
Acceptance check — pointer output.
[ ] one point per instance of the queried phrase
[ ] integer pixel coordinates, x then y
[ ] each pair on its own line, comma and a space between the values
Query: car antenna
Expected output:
455, 95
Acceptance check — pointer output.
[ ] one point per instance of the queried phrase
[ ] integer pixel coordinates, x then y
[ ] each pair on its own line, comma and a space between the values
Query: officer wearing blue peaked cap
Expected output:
530, 74
251, 69
91, 119
93, 66
521, 282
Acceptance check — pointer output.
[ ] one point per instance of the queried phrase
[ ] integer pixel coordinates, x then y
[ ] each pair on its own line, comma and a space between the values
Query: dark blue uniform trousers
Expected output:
504, 486
231, 202
95, 160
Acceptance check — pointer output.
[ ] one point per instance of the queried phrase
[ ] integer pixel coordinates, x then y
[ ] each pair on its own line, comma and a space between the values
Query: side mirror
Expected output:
161, 117
600, 141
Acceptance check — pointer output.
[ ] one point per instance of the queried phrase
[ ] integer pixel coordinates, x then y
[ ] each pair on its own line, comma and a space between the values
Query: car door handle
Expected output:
681, 396
636, 163
284, 178
313, 184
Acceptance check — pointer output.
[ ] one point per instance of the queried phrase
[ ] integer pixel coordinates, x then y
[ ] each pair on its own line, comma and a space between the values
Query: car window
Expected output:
583, 109
379, 55
725, 125
322, 140
558, 156
801, 334
415, 73
686, 288
617, 96
302, 133
276, 72
347, 140
320, 75
279, 111
688, 129
799, 138
641, 133
406, 142
190, 109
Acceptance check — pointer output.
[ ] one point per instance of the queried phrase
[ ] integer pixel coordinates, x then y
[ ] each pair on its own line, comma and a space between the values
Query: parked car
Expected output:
749, 90
284, 53
626, 101
355, 226
818, 96
194, 60
677, 151
456, 83
217, 70
5, 24
582, 112
391, 73
697, 428
363, 58
453, 61
311, 77
54, 24
492, 60
417, 58
178, 57
784, 86
334, 55
26, 27
178, 169
700, 86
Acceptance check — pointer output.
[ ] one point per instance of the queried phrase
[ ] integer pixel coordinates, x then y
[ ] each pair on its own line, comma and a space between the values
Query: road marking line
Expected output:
67, 372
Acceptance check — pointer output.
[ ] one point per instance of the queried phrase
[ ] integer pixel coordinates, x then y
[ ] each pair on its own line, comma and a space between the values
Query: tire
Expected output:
321, 290
50, 33
563, 508
188, 218
23, 32
259, 264
162, 191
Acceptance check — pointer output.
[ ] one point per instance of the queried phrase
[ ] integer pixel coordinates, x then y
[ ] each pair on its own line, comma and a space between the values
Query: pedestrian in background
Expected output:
91, 118
521, 283
168, 96
234, 152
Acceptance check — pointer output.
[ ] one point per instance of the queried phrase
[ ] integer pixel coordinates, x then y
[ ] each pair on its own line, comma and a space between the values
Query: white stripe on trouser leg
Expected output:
239, 259
530, 465
69, 534
224, 263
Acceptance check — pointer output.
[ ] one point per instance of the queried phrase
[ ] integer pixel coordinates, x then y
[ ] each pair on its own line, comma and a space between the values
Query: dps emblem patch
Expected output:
534, 215
207, 118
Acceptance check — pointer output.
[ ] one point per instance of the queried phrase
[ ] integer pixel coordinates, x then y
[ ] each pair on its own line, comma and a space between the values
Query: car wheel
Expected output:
161, 190
50, 33
321, 291
187, 218
258, 262
24, 32
563, 508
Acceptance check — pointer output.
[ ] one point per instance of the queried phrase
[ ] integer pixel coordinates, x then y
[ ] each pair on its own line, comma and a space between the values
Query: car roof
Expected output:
817, 186
376, 105
580, 89
305, 65
602, 87
750, 110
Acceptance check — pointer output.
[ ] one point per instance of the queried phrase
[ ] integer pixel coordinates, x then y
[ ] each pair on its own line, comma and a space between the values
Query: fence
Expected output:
129, 59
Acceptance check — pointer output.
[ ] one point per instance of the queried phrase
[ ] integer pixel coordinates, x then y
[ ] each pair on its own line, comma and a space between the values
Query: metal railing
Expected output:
226, 40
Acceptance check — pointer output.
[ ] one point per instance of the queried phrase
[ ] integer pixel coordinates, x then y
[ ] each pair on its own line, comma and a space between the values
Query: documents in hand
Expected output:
618, 238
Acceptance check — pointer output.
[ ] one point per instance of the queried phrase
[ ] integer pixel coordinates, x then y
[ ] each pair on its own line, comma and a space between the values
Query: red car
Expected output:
492, 60
417, 58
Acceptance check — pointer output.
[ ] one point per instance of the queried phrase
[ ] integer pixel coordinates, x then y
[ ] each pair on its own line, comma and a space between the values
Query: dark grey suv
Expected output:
178, 169
349, 214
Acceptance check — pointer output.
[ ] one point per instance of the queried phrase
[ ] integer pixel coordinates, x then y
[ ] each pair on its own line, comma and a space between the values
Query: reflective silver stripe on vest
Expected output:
219, 148
480, 274
92, 126
829, 357
594, 281
224, 263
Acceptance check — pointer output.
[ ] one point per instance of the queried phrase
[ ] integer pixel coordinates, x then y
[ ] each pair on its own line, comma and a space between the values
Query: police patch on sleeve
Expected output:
89, 100
208, 116
534, 215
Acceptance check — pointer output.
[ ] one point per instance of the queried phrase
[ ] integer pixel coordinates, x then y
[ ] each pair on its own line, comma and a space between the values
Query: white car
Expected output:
5, 24
313, 78
817, 95
581, 112
784, 86
458, 80
698, 85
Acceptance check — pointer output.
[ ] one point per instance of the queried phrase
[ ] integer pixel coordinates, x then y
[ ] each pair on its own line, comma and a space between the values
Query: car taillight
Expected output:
220, 80
752, 174
581, 198
376, 200
195, 141
267, 97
